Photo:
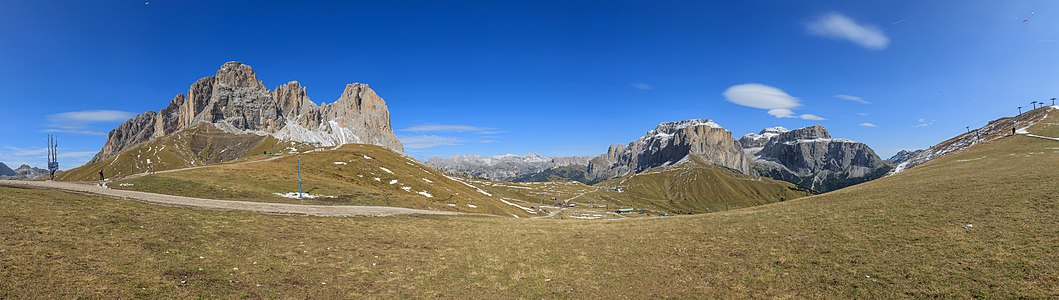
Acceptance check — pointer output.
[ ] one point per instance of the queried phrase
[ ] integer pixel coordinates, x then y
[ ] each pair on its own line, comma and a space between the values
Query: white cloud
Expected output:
75, 131
777, 102
429, 141
866, 124
781, 113
91, 116
449, 128
77, 154
852, 98
77, 122
923, 123
862, 114
838, 26
811, 117
28, 152
641, 86
43, 152
761, 96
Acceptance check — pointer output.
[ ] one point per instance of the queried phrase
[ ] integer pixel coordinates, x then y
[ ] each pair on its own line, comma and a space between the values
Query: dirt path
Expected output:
270, 208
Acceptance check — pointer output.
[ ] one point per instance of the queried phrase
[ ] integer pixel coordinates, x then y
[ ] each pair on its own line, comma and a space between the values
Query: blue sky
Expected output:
552, 77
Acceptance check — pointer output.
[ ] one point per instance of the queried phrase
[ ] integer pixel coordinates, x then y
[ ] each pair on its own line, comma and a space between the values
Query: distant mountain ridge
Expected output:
235, 101
23, 172
812, 159
808, 157
5, 170
507, 167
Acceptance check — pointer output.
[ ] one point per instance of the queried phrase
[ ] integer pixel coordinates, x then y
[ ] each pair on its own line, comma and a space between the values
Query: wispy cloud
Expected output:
862, 114
429, 141
641, 86
450, 128
899, 21
811, 117
75, 131
77, 122
91, 116
840, 27
852, 98
923, 123
866, 124
774, 100
43, 152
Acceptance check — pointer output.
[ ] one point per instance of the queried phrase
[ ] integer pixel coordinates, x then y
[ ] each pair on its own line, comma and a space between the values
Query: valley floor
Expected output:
978, 223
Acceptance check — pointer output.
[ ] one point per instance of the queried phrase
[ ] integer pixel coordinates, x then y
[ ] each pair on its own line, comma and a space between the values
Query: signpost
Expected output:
299, 176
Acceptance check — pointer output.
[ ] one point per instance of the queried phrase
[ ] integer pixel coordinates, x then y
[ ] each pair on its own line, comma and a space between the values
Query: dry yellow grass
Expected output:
353, 175
980, 223
197, 146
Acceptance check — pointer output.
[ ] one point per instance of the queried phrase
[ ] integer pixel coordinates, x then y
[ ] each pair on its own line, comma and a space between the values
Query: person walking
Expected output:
102, 180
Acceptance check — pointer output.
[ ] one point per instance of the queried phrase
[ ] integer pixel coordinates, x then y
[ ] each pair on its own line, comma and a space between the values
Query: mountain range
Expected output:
808, 157
231, 116
812, 159
235, 101
23, 172
507, 167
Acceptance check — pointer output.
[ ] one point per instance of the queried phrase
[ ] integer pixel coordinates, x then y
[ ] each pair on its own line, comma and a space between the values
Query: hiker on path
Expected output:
102, 180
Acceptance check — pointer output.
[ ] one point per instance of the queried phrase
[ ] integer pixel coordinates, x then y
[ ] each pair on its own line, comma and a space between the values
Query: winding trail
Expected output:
261, 207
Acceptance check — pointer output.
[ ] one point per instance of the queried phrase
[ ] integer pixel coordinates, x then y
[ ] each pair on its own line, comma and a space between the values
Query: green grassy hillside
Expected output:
351, 175
980, 223
196, 146
694, 186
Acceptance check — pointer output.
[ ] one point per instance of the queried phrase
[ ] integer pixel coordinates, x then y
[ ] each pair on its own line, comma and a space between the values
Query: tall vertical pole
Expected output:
299, 176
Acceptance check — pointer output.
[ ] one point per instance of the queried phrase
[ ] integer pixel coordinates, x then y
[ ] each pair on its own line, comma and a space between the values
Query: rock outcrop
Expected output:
508, 167
903, 156
235, 101
811, 158
667, 144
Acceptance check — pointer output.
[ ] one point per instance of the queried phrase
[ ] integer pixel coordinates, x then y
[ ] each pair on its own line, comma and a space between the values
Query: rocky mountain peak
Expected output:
806, 133
811, 158
670, 128
292, 99
667, 144
361, 97
758, 140
237, 74
235, 101
774, 130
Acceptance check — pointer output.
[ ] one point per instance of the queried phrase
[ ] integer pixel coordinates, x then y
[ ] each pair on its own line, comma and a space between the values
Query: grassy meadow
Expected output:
980, 223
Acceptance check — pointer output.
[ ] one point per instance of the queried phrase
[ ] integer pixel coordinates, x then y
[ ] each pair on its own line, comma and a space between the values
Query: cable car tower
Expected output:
53, 156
